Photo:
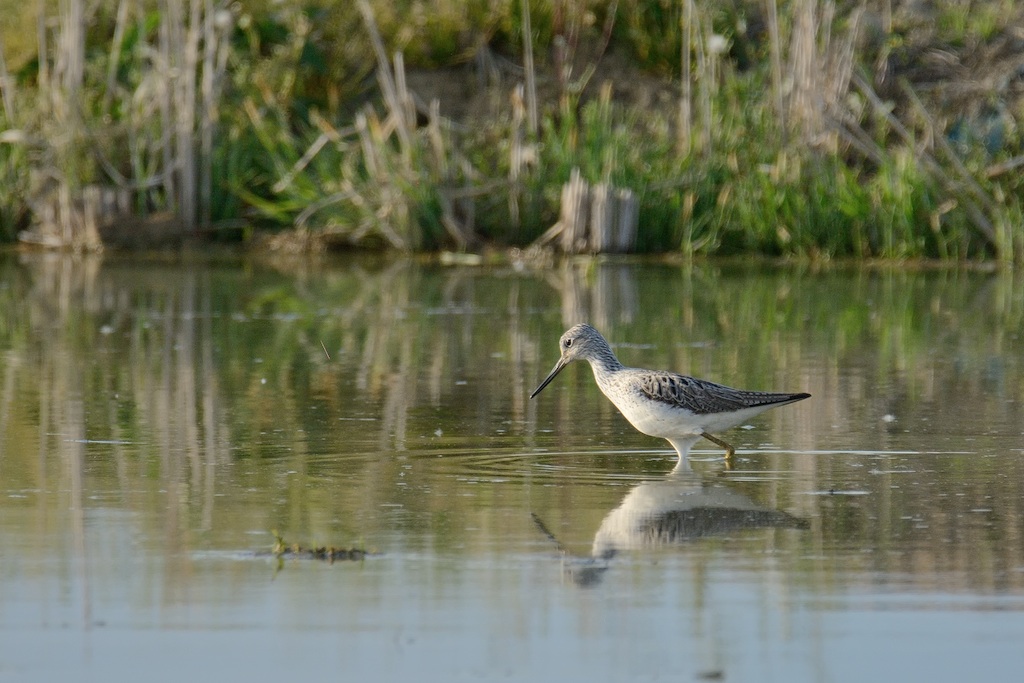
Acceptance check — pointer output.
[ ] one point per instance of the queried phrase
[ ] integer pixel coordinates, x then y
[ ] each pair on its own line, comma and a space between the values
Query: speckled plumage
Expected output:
668, 405
702, 397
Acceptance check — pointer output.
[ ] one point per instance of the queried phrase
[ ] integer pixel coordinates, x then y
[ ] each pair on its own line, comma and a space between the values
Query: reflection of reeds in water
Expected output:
62, 428
600, 296
198, 403
163, 377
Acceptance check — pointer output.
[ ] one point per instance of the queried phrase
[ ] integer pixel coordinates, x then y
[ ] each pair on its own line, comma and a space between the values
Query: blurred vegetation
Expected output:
790, 128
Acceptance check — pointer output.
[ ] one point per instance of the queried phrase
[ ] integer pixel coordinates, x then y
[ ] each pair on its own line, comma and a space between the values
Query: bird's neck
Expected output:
604, 364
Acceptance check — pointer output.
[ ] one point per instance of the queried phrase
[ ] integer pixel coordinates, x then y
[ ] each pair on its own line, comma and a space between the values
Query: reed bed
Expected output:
138, 121
820, 134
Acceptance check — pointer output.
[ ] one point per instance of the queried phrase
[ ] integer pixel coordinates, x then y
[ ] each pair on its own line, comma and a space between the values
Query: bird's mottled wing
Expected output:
702, 397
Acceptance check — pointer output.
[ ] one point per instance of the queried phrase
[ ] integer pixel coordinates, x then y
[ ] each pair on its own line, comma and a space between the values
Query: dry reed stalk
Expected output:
386, 78
468, 209
297, 168
207, 119
843, 60
93, 211
307, 213
186, 117
834, 79
803, 67
517, 155
329, 130
1012, 164
849, 129
328, 134
461, 232
64, 216
71, 56
775, 44
391, 207
686, 80
116, 45
531, 76
206, 58
43, 55
881, 108
437, 143
185, 78
705, 79
365, 141
450, 222
166, 95
405, 102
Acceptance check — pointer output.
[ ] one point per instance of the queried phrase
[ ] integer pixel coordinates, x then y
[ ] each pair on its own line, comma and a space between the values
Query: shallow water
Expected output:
162, 419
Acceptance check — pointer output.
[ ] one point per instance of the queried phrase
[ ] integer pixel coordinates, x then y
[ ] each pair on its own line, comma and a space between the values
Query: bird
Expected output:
678, 408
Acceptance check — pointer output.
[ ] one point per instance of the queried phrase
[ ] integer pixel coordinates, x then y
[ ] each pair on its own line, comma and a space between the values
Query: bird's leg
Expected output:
729, 450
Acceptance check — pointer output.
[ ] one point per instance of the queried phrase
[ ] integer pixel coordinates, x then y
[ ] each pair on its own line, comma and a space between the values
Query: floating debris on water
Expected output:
283, 551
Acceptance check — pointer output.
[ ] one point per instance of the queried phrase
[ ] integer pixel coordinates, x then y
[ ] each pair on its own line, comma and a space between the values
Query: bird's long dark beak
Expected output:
547, 380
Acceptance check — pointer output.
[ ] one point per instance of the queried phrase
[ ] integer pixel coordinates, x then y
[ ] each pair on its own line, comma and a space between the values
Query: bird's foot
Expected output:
730, 452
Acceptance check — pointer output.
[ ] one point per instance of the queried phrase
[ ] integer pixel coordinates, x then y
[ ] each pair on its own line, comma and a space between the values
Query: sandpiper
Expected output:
667, 405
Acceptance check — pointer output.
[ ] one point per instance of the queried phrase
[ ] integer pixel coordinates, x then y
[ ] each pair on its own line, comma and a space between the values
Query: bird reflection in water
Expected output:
684, 506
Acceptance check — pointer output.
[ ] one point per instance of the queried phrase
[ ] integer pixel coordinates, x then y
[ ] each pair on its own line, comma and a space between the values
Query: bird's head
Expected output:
580, 342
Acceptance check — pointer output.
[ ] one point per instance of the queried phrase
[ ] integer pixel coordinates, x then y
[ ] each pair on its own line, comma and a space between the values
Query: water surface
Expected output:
162, 419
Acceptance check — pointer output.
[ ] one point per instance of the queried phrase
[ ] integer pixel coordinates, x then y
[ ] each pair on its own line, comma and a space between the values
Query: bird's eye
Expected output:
568, 343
